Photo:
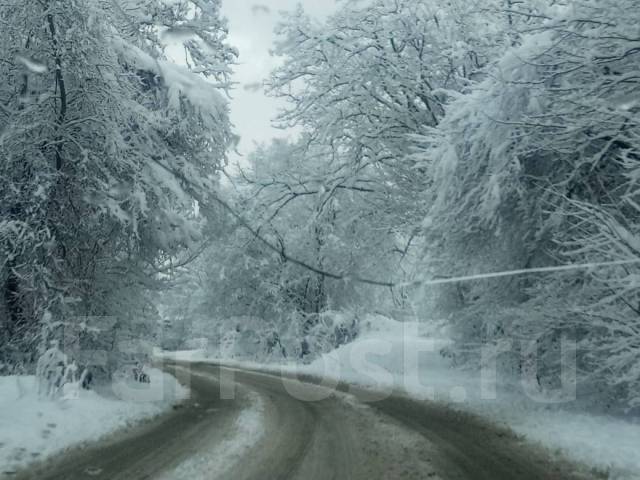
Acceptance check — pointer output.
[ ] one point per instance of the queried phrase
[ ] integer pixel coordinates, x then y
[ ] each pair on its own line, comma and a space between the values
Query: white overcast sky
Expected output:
251, 31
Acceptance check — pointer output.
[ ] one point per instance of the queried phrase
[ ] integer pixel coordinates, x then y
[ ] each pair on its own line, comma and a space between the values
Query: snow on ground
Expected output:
197, 355
390, 355
216, 460
33, 428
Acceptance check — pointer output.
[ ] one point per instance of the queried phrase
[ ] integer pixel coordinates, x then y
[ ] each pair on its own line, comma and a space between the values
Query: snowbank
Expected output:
406, 356
196, 355
390, 355
32, 428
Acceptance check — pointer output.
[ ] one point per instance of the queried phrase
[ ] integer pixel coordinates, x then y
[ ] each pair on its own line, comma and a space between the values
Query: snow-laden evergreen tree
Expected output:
105, 146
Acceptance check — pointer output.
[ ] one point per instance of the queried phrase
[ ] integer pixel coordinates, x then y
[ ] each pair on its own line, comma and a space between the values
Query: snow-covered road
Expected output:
241, 424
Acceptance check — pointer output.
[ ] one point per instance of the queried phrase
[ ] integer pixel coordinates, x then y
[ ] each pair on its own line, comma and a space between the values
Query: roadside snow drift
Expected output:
406, 356
33, 428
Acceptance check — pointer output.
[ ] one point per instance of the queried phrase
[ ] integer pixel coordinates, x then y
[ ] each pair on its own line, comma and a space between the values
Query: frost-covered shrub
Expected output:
329, 330
54, 371
301, 337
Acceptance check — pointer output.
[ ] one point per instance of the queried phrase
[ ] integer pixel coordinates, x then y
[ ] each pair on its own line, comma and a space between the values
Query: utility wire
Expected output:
423, 282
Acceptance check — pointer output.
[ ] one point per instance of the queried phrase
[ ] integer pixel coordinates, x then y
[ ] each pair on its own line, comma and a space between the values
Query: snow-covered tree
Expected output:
106, 144
534, 166
363, 85
344, 201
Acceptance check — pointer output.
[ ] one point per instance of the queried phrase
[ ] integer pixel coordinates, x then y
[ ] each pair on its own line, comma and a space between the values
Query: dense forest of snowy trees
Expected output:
436, 140
440, 141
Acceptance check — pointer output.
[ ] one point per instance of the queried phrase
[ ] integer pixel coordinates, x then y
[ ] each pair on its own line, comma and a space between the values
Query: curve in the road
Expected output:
335, 437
